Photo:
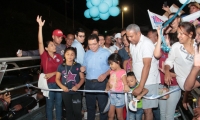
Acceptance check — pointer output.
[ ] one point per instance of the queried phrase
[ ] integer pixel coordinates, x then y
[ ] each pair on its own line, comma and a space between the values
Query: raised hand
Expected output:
39, 20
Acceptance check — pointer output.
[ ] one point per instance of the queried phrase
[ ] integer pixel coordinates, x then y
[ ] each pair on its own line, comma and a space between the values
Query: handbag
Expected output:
163, 90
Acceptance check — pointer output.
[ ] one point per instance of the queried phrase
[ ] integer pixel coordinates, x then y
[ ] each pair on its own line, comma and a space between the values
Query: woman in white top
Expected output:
181, 54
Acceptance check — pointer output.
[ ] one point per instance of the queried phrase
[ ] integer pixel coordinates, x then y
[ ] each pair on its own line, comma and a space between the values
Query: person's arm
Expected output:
126, 87
49, 75
144, 76
144, 92
58, 77
103, 76
82, 79
124, 64
30, 53
157, 51
80, 52
40, 37
185, 99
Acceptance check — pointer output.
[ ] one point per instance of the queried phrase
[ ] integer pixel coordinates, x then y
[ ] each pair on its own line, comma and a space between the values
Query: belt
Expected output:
93, 80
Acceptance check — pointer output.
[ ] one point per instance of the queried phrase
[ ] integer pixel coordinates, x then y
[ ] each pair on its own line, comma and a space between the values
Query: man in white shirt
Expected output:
145, 67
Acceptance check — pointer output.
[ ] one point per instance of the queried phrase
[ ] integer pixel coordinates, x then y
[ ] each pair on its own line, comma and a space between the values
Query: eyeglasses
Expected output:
81, 36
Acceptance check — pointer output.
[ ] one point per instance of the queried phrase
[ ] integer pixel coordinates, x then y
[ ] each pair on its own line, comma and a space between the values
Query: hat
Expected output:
58, 33
194, 4
118, 35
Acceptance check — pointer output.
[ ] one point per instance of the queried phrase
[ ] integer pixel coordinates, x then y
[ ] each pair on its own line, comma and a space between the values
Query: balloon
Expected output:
87, 13
183, 1
198, 1
94, 11
114, 11
109, 2
89, 4
96, 18
103, 7
115, 2
95, 2
104, 16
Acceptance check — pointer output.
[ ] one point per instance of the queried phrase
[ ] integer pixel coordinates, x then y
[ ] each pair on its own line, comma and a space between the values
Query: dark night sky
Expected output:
140, 12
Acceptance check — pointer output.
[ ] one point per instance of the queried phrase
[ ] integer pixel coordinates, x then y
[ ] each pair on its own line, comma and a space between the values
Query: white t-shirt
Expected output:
144, 49
182, 62
107, 49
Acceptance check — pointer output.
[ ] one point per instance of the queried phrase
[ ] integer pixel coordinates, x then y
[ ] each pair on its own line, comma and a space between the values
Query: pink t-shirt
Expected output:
116, 80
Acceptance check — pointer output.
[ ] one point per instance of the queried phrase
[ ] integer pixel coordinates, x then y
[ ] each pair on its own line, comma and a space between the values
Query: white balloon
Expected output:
183, 1
198, 1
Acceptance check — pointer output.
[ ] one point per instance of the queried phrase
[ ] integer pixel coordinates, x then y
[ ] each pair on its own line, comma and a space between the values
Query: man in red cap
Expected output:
57, 36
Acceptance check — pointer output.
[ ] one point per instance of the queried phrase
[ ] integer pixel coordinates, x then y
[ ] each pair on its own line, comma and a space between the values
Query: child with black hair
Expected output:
117, 82
133, 83
68, 77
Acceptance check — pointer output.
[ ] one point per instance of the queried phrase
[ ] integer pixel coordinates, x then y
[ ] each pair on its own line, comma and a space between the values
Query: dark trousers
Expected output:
91, 98
72, 105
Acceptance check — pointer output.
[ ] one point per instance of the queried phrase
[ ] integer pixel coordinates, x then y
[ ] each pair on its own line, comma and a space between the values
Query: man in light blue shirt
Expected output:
79, 39
97, 69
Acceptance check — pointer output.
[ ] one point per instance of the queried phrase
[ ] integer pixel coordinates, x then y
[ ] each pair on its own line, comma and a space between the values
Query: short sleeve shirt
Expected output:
144, 49
50, 64
124, 54
69, 74
116, 80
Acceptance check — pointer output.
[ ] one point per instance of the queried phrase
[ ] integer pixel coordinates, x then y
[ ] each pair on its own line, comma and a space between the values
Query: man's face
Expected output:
80, 37
101, 41
118, 40
95, 32
108, 40
152, 36
193, 9
133, 37
69, 39
57, 40
93, 45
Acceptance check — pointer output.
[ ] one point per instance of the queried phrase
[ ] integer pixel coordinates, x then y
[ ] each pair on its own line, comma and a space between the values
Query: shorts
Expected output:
153, 90
118, 100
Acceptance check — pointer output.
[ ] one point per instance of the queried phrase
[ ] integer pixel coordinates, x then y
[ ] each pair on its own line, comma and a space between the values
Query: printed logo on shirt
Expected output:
57, 60
77, 69
62, 52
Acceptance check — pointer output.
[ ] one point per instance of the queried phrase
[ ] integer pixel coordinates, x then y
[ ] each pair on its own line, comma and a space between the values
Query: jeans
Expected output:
72, 105
91, 98
135, 115
167, 107
156, 113
55, 98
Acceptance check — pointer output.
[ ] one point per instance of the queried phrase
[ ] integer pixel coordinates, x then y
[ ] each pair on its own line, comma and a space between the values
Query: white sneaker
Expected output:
85, 115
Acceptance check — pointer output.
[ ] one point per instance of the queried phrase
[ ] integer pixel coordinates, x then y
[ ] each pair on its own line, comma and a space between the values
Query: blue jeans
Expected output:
167, 107
135, 115
55, 98
156, 113
91, 98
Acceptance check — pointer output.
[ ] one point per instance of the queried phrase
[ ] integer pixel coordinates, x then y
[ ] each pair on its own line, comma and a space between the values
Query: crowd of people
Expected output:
127, 61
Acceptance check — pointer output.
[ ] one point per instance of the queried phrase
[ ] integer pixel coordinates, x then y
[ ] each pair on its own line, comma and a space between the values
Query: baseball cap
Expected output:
194, 4
58, 33
118, 35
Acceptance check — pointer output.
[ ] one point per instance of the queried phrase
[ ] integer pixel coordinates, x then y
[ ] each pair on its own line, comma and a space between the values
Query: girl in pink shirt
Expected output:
117, 82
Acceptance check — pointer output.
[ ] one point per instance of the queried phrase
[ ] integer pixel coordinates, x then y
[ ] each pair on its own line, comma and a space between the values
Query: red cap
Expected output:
58, 33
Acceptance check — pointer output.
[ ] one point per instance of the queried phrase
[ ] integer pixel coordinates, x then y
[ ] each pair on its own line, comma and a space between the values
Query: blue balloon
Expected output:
96, 18
109, 2
114, 11
89, 4
104, 16
87, 13
95, 2
115, 3
103, 7
94, 11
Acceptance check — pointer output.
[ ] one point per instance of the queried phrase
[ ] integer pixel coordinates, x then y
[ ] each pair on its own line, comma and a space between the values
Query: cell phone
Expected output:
165, 4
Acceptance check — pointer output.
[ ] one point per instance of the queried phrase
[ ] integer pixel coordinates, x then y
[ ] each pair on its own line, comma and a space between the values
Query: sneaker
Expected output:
85, 115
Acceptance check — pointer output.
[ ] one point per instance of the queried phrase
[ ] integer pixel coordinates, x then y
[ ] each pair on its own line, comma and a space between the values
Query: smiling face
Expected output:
183, 36
69, 56
101, 41
69, 39
51, 47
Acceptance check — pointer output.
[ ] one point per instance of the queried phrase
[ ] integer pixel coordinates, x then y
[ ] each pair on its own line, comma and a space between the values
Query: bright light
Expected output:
125, 8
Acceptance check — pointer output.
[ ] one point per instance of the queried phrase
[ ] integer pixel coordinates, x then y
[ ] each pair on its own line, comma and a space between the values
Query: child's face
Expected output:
131, 81
69, 55
113, 65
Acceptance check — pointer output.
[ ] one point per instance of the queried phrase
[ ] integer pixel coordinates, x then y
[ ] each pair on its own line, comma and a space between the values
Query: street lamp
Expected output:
123, 10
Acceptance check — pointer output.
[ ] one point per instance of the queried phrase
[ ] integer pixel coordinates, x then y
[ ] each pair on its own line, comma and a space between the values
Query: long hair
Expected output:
115, 57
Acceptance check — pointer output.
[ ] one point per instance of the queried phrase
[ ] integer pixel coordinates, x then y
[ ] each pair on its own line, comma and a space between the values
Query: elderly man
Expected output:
97, 69
144, 66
